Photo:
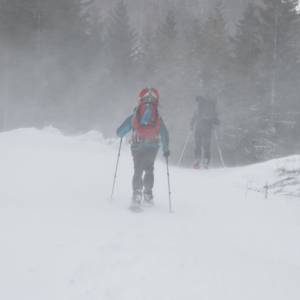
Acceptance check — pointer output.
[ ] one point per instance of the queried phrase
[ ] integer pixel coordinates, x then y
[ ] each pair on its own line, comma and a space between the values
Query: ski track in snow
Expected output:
61, 238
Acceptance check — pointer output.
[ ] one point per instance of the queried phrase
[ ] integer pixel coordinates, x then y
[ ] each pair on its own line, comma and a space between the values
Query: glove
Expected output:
166, 153
120, 133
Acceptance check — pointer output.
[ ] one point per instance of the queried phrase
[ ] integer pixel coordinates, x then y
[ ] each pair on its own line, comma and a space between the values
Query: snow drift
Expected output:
279, 176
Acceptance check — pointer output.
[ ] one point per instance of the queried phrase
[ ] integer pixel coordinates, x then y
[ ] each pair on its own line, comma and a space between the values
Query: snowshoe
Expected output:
136, 202
148, 199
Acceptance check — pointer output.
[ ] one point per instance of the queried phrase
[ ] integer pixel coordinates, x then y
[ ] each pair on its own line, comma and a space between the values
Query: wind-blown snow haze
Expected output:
90, 90
79, 66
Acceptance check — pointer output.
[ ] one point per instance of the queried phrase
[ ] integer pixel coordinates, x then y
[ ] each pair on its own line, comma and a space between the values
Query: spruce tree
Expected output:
44, 44
18, 28
63, 45
265, 74
121, 43
247, 40
277, 21
165, 42
19, 20
247, 84
215, 51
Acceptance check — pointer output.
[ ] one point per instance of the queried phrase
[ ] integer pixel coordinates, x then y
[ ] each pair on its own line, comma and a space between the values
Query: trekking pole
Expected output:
116, 170
219, 148
169, 186
184, 147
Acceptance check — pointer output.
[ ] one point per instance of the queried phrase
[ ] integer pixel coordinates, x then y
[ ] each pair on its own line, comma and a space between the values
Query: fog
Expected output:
79, 66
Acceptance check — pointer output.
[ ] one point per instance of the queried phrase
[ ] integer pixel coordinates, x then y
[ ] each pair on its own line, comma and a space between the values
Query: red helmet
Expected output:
149, 95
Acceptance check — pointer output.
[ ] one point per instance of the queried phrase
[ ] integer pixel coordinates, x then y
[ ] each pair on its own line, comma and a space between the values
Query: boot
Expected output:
205, 163
196, 164
136, 200
148, 198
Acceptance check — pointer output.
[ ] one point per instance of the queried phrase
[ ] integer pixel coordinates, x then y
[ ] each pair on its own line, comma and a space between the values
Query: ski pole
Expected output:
184, 147
116, 170
169, 186
219, 149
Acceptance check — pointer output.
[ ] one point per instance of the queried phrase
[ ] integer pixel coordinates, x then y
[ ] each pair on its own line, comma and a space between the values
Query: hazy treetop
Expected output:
146, 11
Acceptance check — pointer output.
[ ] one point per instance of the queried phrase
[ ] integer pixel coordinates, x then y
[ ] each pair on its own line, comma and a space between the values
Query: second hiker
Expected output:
204, 120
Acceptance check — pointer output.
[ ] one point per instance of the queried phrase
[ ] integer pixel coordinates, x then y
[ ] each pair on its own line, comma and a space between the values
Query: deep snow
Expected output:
61, 238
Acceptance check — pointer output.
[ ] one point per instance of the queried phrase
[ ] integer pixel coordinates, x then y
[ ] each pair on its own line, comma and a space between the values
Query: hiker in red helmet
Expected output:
148, 132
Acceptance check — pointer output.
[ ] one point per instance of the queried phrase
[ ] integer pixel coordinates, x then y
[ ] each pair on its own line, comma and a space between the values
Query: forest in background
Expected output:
79, 65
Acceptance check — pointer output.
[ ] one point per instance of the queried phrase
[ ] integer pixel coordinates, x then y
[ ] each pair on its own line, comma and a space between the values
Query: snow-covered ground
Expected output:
279, 176
62, 239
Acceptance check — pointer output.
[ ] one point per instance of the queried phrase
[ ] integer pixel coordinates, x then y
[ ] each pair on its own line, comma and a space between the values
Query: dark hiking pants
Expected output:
143, 160
203, 145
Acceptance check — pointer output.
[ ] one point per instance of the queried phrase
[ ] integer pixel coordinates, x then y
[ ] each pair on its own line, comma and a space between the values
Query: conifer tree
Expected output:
215, 51
247, 40
265, 65
121, 43
18, 27
165, 41
277, 20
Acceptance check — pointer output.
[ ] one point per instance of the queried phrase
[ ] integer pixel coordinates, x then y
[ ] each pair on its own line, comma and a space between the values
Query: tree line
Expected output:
62, 64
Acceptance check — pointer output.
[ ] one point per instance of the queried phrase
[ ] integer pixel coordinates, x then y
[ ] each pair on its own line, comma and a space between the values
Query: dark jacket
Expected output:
205, 117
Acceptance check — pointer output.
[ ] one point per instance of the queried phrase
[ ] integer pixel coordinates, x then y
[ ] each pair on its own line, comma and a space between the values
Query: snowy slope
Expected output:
62, 239
281, 176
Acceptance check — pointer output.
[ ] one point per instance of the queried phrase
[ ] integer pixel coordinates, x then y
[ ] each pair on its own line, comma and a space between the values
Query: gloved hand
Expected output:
166, 153
120, 133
